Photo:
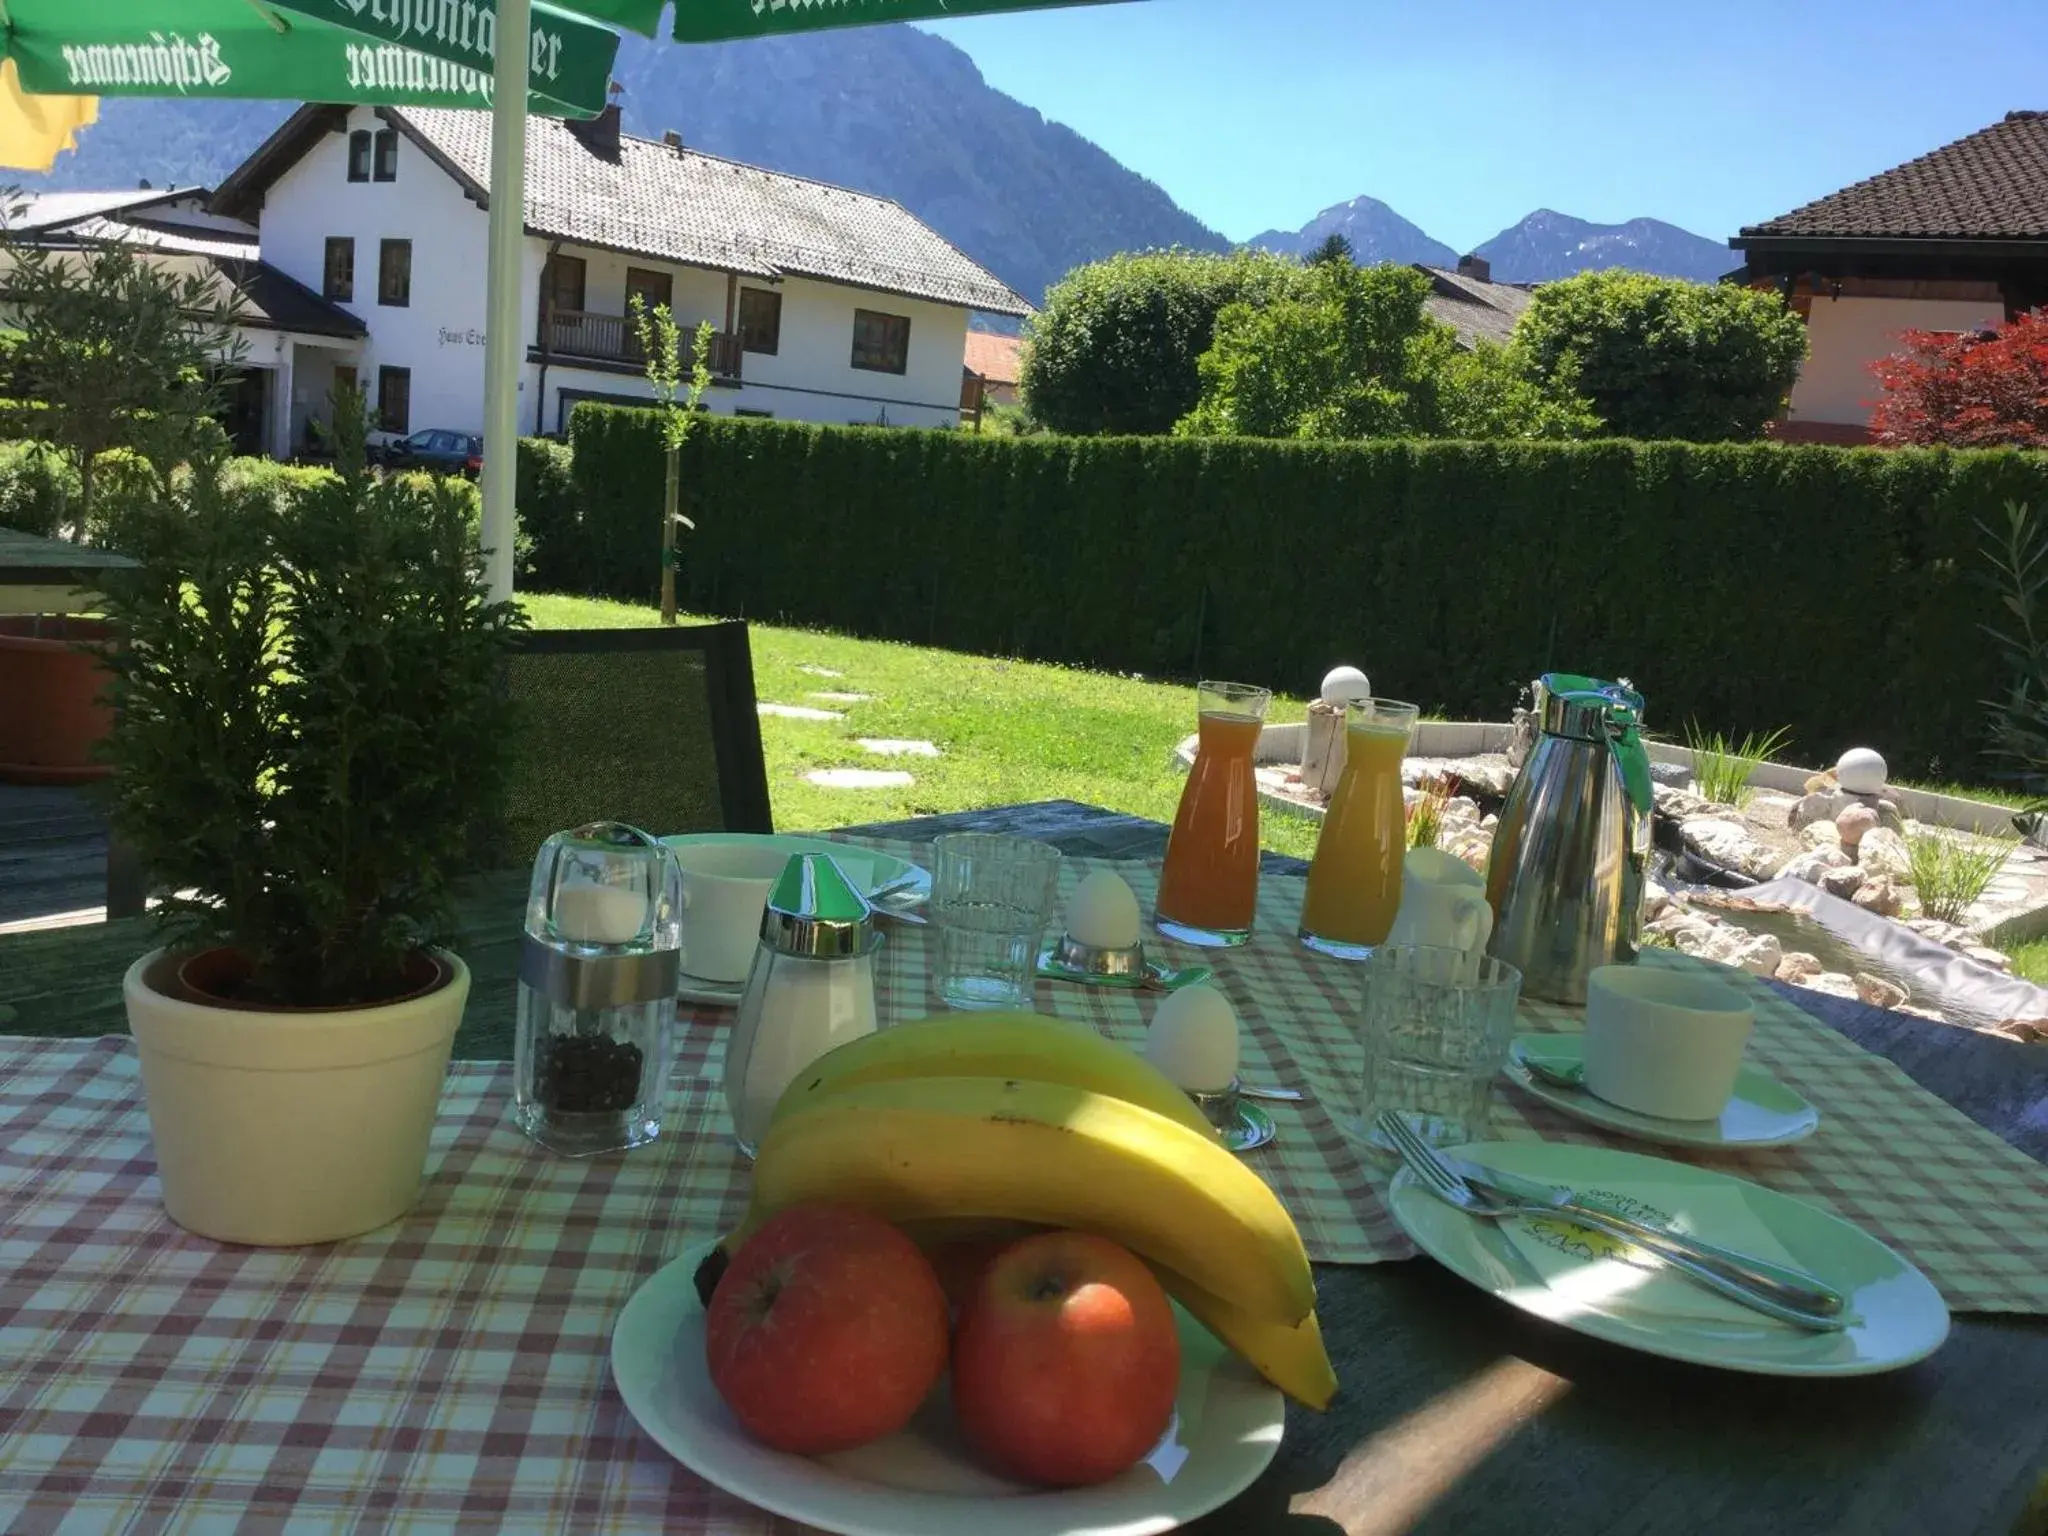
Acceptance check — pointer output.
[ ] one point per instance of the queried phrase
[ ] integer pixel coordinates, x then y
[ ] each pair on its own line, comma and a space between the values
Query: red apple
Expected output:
826, 1331
1067, 1361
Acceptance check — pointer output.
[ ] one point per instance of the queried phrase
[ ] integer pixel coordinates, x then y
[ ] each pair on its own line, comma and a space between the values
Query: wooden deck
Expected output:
53, 854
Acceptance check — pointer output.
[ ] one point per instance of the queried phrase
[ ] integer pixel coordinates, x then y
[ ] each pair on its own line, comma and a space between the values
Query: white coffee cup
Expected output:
725, 892
1443, 904
1663, 1042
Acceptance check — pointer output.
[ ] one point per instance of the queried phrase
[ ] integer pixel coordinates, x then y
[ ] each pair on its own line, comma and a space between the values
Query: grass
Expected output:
2006, 797
1948, 874
2030, 961
1008, 731
1721, 766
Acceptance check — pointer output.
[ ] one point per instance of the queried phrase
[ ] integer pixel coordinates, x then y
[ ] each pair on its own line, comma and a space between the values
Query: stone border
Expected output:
1469, 738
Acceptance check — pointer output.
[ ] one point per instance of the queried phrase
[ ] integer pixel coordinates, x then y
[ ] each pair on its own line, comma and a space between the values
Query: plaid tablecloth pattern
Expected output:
450, 1372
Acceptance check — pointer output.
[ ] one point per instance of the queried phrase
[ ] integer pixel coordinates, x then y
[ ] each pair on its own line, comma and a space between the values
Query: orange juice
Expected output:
1354, 883
1210, 886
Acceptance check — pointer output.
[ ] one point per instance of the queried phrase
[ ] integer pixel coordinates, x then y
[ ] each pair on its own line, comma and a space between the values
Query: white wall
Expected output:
1845, 336
811, 376
439, 336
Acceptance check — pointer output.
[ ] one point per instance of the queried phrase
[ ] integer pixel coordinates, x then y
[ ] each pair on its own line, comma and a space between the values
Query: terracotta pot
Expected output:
281, 1128
54, 717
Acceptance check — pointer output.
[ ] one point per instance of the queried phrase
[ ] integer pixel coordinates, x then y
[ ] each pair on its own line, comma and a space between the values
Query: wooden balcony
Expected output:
572, 334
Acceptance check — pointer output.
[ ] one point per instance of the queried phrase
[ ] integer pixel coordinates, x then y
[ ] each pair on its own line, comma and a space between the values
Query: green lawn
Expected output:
1008, 731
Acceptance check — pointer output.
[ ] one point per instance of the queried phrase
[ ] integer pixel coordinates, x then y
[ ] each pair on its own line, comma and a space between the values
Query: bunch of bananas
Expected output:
1024, 1119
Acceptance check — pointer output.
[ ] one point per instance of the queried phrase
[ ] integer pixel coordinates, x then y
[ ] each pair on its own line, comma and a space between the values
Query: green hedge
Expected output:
1833, 591
36, 486
546, 498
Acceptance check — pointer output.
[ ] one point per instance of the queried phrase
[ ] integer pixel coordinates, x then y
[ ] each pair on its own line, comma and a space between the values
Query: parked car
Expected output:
447, 453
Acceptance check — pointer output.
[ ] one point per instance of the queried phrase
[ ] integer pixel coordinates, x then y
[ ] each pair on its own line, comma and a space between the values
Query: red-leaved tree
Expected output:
1967, 390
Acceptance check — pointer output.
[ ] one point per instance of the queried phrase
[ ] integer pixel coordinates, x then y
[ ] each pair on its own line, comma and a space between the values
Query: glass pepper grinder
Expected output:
812, 987
597, 989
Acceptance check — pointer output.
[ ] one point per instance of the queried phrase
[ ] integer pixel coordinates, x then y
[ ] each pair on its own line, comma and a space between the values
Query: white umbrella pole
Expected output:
503, 338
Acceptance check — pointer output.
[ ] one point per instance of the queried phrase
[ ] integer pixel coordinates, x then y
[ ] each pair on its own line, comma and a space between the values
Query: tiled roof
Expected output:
993, 357
680, 205
274, 300
1992, 185
1476, 309
48, 210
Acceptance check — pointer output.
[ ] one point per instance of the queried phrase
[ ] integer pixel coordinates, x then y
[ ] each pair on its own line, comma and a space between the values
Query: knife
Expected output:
1796, 1286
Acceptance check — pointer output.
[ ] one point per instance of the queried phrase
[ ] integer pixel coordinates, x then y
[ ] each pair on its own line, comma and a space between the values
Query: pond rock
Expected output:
1729, 844
1811, 865
1827, 804
1844, 881
1798, 965
1833, 983
1878, 992
1879, 895
1883, 852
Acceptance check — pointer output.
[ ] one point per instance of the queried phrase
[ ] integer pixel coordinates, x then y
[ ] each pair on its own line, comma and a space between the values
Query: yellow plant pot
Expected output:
283, 1128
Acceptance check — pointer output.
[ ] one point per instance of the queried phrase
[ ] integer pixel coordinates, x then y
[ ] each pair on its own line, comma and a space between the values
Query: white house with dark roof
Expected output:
826, 304
280, 321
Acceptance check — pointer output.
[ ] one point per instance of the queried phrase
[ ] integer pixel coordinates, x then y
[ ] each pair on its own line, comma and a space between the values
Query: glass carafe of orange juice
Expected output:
1210, 885
1354, 883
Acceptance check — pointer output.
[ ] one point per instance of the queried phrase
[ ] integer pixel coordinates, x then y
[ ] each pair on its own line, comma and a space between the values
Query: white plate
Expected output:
921, 1482
1900, 1316
1763, 1112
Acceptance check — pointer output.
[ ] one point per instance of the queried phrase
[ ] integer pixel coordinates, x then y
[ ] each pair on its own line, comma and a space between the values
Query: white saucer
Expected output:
1762, 1113
921, 1482
1899, 1317
713, 994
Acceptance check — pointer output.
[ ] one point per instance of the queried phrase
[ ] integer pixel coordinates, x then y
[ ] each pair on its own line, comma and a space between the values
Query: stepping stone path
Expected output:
859, 778
883, 746
843, 698
817, 671
798, 712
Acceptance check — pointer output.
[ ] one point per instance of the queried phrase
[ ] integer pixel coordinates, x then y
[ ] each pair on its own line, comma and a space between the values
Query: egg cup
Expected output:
1068, 959
1243, 1126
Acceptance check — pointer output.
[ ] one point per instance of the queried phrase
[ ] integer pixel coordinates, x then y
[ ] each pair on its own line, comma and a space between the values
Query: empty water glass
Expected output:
992, 898
1437, 1026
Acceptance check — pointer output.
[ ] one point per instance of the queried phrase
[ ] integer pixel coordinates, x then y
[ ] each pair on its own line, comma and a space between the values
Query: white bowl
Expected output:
1664, 1043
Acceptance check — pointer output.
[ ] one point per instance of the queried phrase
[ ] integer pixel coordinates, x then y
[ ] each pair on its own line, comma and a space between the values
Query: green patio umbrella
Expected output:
376, 52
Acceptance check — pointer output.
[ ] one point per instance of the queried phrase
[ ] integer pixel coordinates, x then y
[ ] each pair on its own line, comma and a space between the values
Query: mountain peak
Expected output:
1548, 245
1375, 231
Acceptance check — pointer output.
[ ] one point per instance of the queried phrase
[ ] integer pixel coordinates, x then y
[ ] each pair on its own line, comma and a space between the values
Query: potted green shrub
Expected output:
309, 732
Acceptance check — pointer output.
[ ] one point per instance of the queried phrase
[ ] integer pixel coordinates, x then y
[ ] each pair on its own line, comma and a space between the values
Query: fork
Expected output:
1421, 1160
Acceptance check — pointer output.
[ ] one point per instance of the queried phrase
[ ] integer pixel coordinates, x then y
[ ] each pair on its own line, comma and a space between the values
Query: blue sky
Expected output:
1467, 114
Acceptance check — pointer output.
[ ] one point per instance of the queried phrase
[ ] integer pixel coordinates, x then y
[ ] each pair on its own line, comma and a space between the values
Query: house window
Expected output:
387, 154
394, 273
340, 281
760, 320
394, 399
562, 288
653, 289
359, 155
881, 343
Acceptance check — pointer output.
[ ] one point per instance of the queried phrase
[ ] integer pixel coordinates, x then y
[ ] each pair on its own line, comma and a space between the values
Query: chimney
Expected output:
600, 134
672, 139
1476, 267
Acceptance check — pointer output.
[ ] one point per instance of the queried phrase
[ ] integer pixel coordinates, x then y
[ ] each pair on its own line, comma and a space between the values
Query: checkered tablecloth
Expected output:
450, 1372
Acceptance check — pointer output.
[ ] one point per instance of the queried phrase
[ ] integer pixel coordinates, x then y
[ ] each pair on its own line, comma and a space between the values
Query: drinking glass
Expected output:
1354, 883
992, 897
1209, 889
1437, 1025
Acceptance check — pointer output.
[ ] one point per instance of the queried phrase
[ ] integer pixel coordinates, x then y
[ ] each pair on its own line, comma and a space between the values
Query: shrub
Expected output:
1659, 357
1115, 347
546, 499
309, 724
1948, 874
1452, 572
36, 485
1721, 765
1966, 390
